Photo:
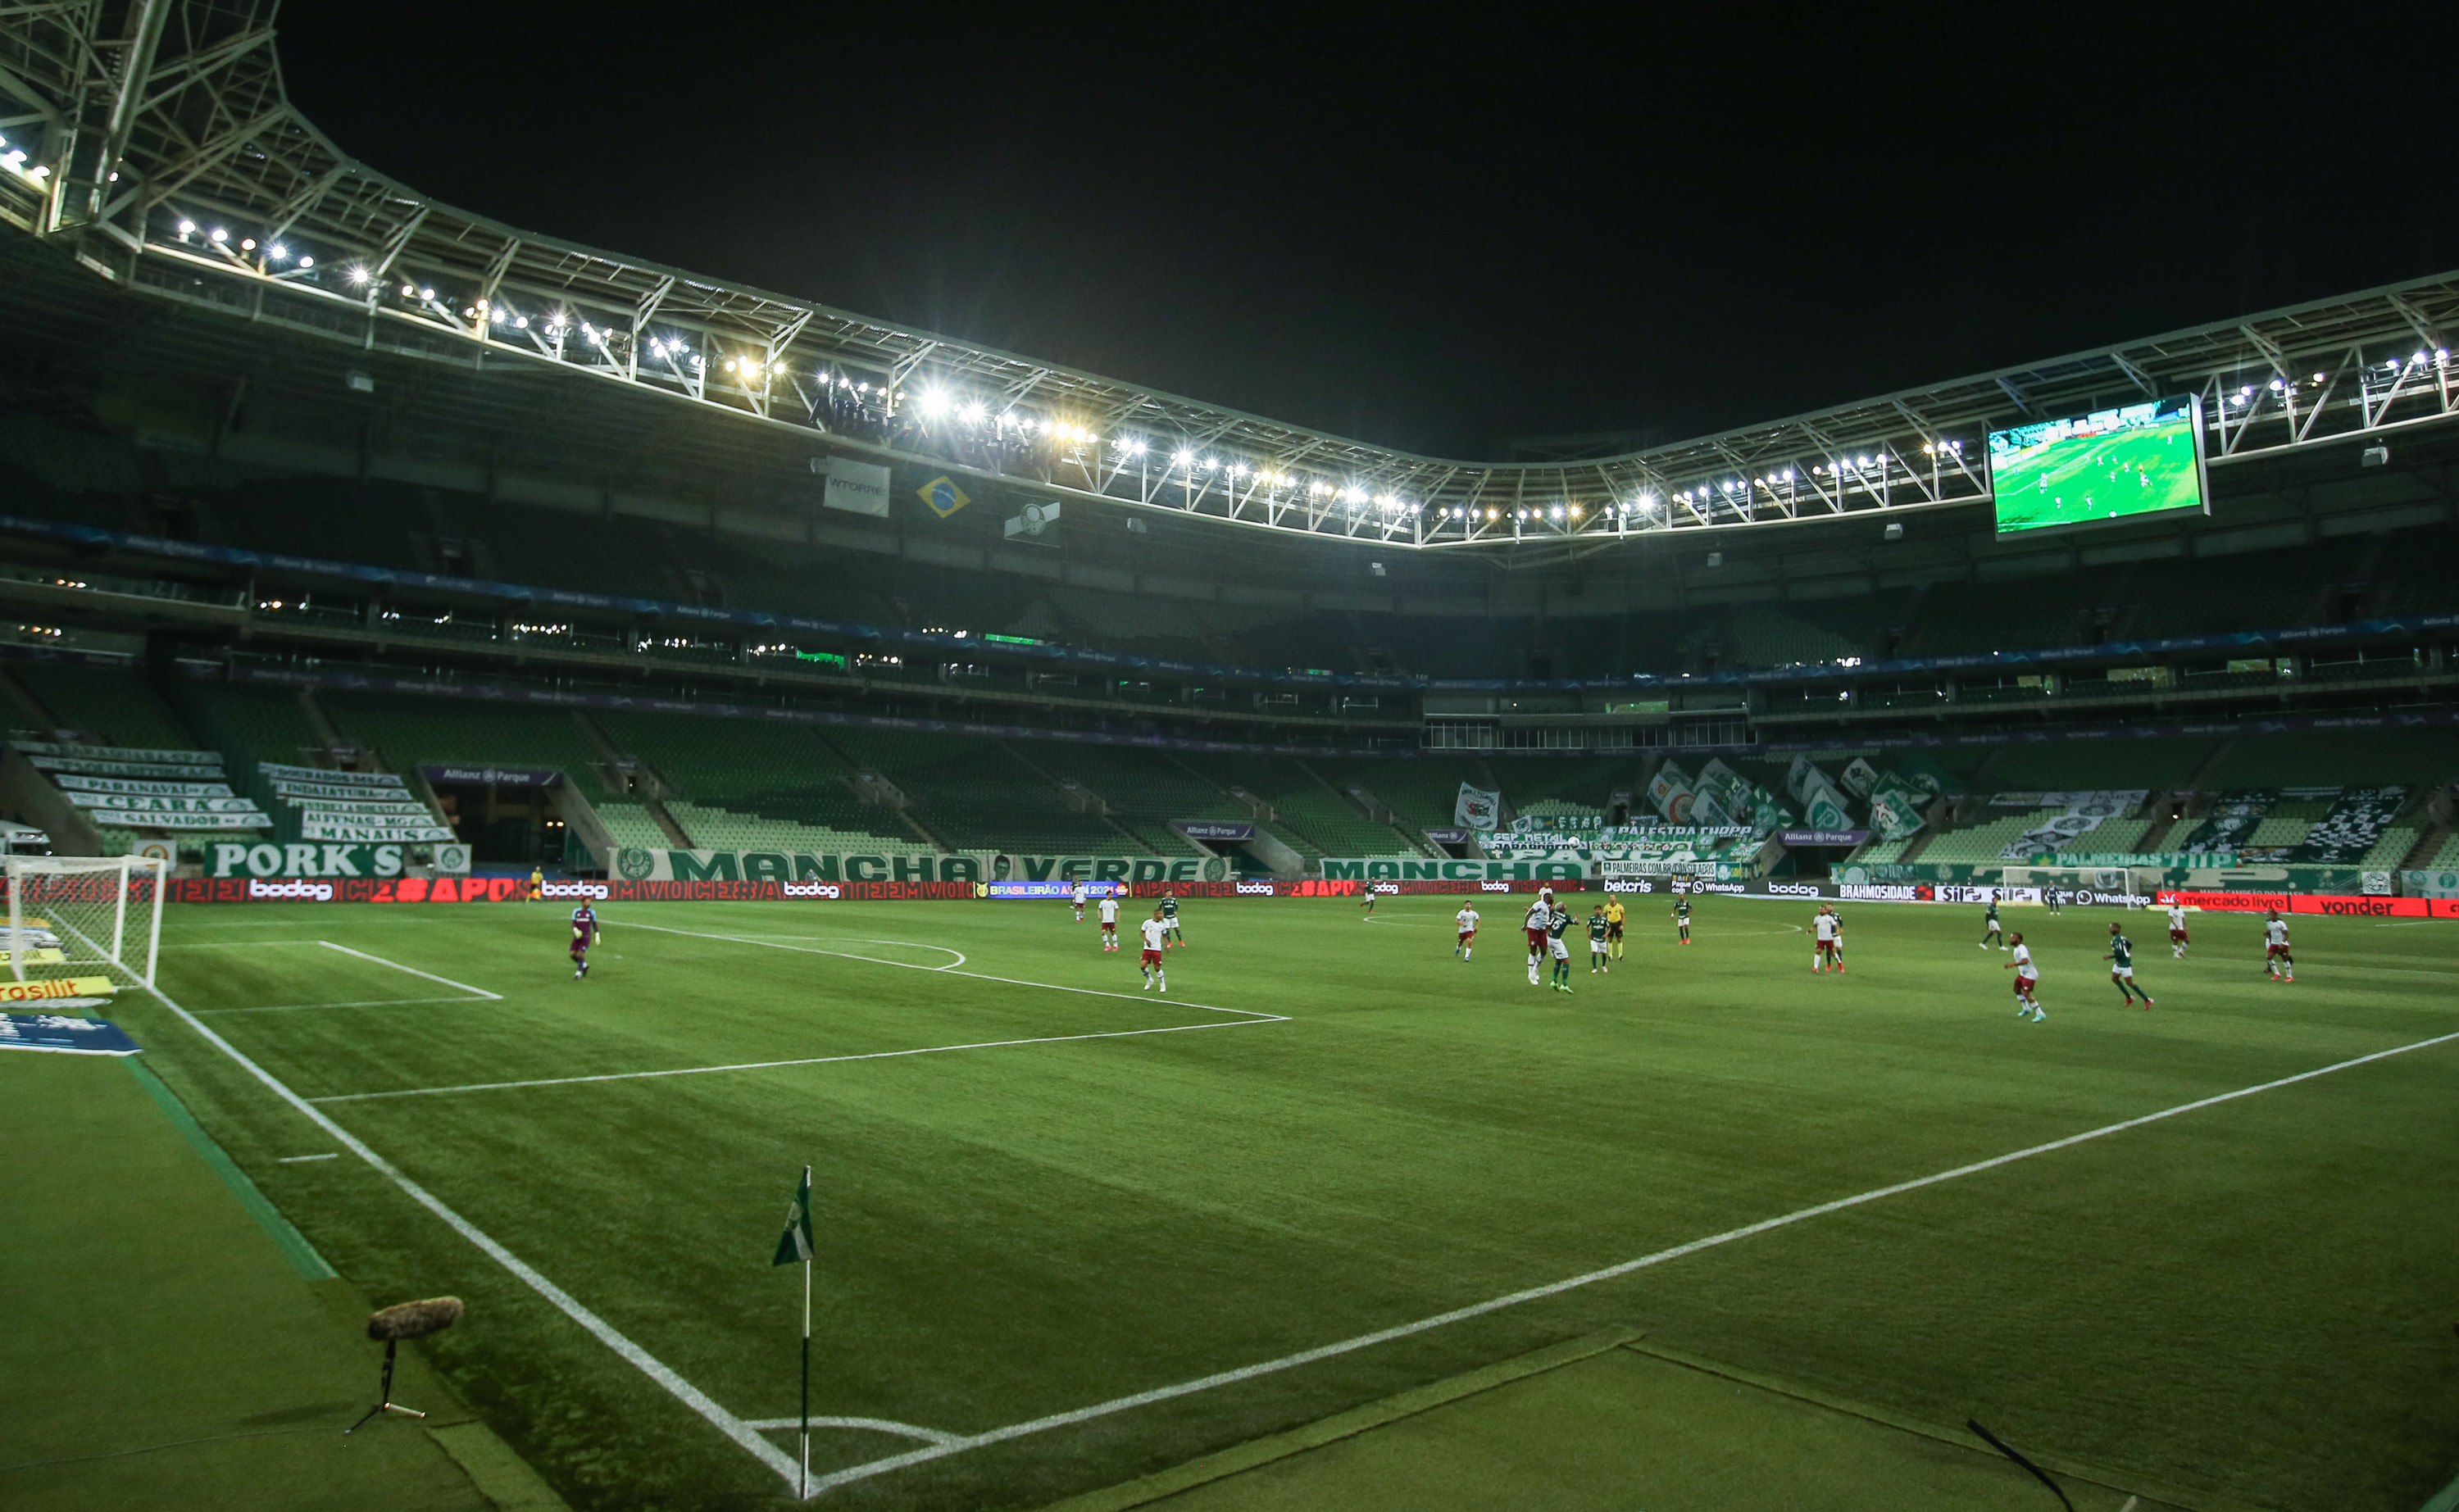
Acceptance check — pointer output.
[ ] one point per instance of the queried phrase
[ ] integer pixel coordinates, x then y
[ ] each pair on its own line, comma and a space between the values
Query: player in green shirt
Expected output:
1599, 933
1682, 916
2121, 967
1169, 917
1990, 926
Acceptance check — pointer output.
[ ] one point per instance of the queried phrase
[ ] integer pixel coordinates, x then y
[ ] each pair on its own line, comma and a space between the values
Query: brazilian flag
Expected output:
794, 1246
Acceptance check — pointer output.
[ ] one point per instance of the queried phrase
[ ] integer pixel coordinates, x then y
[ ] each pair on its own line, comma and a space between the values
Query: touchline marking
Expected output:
297, 1160
1119, 1404
766, 1066
640, 1359
874, 1424
950, 971
475, 991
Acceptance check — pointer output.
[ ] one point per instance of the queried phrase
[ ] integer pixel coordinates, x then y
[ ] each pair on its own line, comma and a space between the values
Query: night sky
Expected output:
1432, 230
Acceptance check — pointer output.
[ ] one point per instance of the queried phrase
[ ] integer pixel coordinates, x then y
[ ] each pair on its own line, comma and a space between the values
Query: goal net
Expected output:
2083, 886
82, 917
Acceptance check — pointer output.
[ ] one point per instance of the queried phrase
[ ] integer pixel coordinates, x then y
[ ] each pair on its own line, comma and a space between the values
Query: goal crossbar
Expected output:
72, 915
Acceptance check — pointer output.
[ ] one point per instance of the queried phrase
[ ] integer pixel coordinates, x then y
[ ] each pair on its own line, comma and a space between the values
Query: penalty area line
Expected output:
950, 971
770, 1065
605, 1332
1323, 1351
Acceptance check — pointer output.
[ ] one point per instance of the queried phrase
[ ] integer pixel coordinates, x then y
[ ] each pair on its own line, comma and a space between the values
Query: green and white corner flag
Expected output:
794, 1246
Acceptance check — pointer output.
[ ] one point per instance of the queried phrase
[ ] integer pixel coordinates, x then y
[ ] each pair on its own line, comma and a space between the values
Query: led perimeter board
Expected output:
2111, 464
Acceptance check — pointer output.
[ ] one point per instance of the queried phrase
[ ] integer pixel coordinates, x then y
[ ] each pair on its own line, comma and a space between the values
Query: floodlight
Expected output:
974, 413
1182, 458
187, 228
933, 403
427, 293
218, 235
358, 274
307, 262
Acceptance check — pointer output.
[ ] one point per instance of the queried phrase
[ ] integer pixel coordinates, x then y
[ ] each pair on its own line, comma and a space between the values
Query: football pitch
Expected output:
2136, 471
1071, 1232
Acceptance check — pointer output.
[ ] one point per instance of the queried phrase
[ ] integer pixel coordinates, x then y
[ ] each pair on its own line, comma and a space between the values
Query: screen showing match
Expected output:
2112, 464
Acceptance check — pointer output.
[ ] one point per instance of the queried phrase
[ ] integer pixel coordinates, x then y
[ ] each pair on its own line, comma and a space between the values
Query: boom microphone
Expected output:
410, 1320
404, 1320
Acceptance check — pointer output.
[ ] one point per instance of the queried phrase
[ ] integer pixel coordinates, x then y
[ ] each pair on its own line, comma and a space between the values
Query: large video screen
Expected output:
2113, 464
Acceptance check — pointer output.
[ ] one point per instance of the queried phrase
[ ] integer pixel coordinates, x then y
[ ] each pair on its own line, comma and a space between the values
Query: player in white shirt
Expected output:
1155, 933
1079, 900
2276, 959
1534, 924
1466, 919
2177, 940
1828, 947
2028, 978
1109, 923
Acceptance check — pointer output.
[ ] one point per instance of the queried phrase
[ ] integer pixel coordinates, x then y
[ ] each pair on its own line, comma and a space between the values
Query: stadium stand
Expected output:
738, 775
630, 825
268, 722
972, 794
1309, 816
106, 705
410, 731
2078, 766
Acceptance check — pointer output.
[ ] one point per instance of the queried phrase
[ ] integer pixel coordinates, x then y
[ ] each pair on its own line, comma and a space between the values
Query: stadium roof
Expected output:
157, 142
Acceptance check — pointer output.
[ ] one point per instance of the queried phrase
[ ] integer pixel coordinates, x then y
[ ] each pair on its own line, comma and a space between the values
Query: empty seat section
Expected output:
267, 721
2156, 763
408, 731
975, 796
1145, 790
737, 775
1321, 820
105, 705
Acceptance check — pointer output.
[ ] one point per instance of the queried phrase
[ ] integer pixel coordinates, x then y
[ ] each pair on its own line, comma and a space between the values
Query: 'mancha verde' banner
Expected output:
637, 864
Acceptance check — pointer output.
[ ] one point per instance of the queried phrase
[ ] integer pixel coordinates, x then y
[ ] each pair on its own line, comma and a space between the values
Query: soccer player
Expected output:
1599, 932
1990, 927
2121, 967
2056, 897
537, 885
1079, 900
2028, 978
1558, 919
1534, 924
1682, 916
1614, 926
2276, 962
584, 933
1466, 919
1823, 930
1367, 903
1838, 915
1169, 916
1109, 923
1154, 929
2177, 942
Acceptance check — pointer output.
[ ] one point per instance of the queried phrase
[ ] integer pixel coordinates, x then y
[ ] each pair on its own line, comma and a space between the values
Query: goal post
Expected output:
84, 916
2082, 884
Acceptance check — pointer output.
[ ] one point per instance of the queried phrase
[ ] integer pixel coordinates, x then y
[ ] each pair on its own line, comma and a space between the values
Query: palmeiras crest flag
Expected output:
794, 1246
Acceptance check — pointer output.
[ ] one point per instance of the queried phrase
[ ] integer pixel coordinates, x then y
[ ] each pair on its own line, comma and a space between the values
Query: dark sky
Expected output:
1434, 229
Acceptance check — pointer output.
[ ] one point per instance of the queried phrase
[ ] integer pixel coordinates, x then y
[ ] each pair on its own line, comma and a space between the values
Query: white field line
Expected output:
300, 1159
1012, 981
1119, 1404
841, 939
766, 1066
640, 1359
235, 944
372, 1003
874, 1424
475, 991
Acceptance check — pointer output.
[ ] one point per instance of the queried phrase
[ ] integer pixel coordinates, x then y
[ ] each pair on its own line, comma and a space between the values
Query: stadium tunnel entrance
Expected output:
504, 825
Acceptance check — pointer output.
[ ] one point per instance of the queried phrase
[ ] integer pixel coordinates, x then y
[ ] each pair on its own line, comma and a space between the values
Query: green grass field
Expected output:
2139, 471
1331, 1128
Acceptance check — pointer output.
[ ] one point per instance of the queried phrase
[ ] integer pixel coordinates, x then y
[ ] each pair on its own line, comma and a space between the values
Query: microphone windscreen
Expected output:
405, 1321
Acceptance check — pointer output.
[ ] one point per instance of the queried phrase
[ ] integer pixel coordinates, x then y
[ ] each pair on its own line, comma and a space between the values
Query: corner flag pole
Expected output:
796, 1248
804, 1490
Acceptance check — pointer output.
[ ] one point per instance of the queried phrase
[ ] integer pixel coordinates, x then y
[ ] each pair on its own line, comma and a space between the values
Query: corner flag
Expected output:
794, 1246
